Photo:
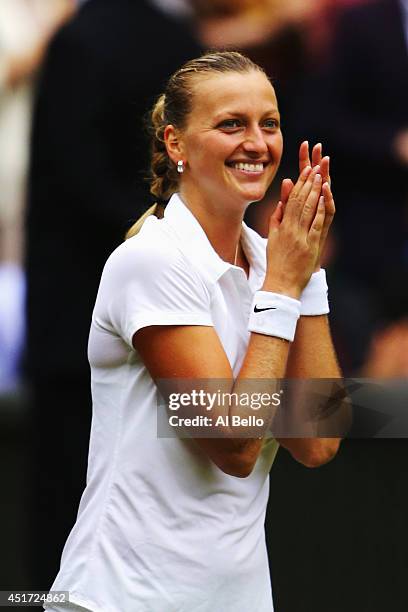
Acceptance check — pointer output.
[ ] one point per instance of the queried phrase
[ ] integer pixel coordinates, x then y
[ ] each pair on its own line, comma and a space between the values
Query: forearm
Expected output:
312, 356
235, 448
264, 365
312, 353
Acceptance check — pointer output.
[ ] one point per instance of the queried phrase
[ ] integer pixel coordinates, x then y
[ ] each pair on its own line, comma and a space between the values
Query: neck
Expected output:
222, 224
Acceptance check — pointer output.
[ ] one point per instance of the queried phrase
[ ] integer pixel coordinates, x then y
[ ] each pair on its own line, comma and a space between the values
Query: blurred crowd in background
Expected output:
76, 80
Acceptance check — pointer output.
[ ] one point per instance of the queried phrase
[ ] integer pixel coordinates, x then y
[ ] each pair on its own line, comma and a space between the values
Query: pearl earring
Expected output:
180, 166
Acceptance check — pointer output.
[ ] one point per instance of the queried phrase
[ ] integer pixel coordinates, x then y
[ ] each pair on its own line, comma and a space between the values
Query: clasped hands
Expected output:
300, 223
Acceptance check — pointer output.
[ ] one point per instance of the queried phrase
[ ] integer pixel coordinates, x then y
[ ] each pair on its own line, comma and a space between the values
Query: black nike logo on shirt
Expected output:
256, 309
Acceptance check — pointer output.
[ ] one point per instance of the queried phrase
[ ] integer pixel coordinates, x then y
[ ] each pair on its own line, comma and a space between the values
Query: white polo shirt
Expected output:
160, 527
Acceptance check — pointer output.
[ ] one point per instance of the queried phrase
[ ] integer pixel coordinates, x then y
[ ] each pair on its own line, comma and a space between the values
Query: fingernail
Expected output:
318, 178
306, 170
317, 168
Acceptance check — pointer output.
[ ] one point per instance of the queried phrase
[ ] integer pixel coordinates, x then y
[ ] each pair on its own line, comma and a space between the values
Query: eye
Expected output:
271, 124
230, 124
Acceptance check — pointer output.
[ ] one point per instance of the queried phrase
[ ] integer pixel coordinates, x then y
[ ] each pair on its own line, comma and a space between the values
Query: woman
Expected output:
177, 524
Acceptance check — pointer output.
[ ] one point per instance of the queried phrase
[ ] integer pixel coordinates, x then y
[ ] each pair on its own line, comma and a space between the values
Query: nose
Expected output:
255, 141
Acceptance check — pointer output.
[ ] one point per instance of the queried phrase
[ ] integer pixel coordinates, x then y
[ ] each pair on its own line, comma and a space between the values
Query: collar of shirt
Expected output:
196, 245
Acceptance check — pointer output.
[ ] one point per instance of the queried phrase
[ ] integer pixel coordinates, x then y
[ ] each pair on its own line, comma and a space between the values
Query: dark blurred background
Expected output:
76, 80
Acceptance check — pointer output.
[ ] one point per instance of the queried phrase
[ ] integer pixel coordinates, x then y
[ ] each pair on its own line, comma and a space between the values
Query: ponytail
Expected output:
164, 176
156, 209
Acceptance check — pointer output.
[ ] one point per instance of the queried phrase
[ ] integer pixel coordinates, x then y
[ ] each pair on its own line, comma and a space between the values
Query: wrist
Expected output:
282, 288
274, 314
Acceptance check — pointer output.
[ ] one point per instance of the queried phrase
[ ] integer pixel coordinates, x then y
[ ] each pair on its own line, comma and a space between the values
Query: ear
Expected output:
174, 145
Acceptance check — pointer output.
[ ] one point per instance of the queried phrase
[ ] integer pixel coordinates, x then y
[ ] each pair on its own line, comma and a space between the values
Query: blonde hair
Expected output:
173, 108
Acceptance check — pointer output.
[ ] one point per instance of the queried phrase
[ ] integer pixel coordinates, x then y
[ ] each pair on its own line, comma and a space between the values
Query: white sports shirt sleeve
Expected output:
151, 284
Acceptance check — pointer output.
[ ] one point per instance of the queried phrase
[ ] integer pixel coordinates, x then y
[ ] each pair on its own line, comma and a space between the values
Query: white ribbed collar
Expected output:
196, 245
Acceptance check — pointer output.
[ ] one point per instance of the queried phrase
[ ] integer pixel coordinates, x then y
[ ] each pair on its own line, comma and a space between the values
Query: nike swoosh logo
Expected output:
256, 309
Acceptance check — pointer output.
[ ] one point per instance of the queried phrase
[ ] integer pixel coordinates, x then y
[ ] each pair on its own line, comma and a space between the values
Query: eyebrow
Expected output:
221, 115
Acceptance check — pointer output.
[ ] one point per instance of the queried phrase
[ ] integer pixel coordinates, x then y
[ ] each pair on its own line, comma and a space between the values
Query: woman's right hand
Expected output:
294, 236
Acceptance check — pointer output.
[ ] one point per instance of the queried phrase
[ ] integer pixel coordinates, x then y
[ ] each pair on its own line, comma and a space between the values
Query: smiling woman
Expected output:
170, 522
243, 135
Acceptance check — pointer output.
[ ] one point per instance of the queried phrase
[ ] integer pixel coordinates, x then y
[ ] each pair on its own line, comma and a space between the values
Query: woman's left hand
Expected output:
330, 209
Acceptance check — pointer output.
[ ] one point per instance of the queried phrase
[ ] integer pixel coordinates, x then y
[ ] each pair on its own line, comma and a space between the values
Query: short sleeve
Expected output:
149, 285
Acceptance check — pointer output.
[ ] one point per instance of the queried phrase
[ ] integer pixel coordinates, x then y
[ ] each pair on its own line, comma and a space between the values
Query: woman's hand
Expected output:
330, 209
295, 236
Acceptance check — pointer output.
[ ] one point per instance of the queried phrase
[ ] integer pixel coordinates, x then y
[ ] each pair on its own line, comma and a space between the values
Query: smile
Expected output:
247, 167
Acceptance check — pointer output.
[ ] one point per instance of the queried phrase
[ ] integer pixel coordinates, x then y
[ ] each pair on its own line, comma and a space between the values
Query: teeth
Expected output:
249, 167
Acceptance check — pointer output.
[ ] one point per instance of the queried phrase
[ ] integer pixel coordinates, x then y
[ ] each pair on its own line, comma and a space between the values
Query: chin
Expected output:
254, 195
254, 192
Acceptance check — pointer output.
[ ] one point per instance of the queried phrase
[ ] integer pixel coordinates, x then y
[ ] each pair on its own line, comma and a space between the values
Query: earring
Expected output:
180, 166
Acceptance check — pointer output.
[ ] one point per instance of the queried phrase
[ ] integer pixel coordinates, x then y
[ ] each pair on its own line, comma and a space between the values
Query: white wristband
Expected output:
314, 297
274, 314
